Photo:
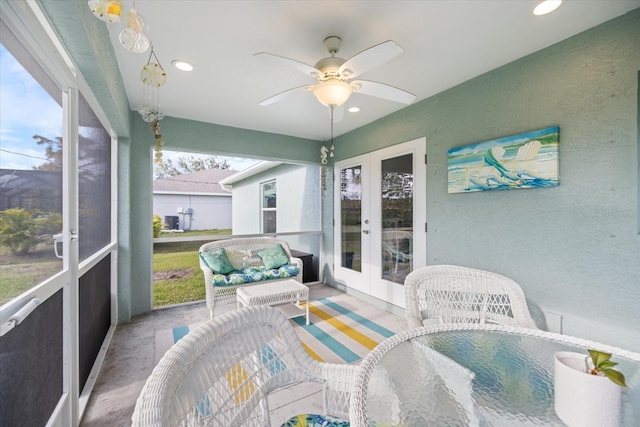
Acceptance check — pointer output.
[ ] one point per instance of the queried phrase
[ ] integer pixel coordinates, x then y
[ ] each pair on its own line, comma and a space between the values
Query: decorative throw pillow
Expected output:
217, 261
274, 257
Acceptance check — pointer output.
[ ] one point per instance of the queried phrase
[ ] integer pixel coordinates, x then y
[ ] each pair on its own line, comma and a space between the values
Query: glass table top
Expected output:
476, 377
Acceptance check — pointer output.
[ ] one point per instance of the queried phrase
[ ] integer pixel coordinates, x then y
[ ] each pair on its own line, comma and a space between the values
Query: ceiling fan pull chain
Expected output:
332, 147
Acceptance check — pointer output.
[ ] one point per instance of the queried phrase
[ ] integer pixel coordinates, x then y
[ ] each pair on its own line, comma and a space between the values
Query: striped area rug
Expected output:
343, 329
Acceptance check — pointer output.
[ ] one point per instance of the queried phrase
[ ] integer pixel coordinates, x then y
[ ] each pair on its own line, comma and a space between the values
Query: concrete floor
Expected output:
130, 360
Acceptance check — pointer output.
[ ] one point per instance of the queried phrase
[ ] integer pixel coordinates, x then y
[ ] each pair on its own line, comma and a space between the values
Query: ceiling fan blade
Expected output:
338, 113
370, 58
381, 90
292, 63
285, 94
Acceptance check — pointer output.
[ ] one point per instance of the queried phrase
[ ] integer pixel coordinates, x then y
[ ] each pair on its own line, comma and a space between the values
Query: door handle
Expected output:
57, 238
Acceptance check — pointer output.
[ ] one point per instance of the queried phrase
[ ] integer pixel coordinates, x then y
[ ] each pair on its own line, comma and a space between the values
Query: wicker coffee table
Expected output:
285, 295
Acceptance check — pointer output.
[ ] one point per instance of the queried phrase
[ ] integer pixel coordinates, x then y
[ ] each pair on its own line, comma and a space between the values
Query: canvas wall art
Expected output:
527, 160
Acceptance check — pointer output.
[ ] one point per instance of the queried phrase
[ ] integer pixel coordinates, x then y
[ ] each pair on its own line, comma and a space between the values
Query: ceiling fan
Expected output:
334, 75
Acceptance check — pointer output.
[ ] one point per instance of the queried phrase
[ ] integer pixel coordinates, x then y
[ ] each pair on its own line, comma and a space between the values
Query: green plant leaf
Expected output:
598, 357
607, 364
615, 376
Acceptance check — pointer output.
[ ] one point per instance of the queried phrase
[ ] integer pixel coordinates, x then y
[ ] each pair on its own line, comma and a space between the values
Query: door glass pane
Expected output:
397, 218
351, 218
31, 123
94, 182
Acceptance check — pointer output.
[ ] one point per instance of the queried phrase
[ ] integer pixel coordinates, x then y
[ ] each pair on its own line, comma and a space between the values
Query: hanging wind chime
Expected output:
153, 76
133, 38
323, 155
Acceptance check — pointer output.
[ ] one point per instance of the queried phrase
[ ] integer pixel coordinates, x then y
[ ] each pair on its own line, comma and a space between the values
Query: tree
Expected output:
53, 153
190, 164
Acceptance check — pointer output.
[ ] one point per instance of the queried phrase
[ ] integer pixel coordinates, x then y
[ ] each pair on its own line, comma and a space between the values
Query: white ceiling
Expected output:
445, 43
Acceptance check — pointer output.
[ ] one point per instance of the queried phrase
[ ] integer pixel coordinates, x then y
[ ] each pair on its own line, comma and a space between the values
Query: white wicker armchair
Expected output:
221, 373
242, 252
464, 295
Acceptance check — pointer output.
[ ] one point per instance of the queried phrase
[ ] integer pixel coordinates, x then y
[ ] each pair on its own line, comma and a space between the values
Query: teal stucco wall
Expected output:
575, 248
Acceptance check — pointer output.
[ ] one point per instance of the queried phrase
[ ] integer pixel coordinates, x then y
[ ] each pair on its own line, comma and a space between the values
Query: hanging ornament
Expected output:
153, 76
323, 167
157, 145
106, 10
132, 36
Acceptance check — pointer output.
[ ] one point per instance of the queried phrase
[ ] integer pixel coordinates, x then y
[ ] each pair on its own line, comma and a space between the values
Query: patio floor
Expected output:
130, 360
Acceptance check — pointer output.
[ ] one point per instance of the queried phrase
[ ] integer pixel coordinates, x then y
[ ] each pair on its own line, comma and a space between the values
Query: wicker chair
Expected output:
242, 252
222, 373
455, 294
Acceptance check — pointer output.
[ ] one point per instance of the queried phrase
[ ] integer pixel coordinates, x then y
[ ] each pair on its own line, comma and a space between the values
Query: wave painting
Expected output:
527, 160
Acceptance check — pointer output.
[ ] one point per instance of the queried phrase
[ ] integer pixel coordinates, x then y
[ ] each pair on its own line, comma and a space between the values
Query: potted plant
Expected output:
587, 389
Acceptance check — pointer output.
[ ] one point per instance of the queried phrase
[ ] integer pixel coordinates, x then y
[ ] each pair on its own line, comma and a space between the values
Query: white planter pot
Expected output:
582, 399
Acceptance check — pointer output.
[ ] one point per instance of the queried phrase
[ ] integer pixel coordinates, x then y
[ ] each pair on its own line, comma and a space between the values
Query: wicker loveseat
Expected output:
243, 255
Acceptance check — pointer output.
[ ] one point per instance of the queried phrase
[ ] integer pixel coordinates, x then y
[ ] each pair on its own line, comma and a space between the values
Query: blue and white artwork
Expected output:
527, 160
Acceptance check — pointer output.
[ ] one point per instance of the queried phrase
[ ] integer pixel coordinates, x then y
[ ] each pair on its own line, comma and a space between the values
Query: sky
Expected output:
236, 163
26, 109
20, 120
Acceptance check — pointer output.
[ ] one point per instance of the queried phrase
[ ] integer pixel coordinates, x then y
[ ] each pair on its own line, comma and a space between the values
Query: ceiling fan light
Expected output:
546, 6
332, 92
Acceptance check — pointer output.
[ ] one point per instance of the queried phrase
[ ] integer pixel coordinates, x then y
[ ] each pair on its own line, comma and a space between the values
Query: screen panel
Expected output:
94, 315
31, 366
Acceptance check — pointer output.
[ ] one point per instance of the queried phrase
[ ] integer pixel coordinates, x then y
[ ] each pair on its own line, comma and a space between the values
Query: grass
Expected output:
176, 269
19, 273
175, 263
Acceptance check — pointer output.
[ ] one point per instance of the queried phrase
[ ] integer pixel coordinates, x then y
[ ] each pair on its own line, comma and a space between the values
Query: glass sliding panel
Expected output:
94, 182
397, 218
351, 217
31, 121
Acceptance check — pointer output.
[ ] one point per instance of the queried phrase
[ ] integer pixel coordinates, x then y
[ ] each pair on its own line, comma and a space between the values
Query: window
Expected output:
269, 207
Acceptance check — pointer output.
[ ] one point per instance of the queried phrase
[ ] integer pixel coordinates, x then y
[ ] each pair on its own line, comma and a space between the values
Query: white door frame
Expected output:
369, 281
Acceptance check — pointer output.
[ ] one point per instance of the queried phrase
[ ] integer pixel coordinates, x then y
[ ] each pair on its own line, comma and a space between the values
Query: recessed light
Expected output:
354, 109
546, 6
182, 65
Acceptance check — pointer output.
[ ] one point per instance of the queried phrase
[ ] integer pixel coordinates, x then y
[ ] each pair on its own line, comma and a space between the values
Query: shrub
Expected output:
157, 226
18, 231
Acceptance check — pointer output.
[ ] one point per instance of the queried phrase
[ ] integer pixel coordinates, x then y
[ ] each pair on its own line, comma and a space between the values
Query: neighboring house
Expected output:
195, 201
277, 197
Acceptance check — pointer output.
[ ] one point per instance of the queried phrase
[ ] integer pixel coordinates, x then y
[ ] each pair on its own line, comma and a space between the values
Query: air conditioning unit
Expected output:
172, 222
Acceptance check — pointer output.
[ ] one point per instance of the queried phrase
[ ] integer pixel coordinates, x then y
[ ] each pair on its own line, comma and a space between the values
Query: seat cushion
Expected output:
312, 420
255, 274
217, 261
274, 257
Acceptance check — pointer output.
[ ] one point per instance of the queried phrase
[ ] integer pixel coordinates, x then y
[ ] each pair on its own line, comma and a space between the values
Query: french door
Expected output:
380, 212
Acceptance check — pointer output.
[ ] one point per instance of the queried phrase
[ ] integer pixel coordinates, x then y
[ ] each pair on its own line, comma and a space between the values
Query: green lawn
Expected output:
176, 269
19, 273
175, 264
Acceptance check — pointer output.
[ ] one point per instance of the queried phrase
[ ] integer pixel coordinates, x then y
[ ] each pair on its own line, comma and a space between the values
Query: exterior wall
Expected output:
575, 248
209, 212
298, 207
298, 195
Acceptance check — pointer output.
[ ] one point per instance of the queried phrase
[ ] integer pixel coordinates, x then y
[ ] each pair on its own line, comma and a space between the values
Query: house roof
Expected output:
202, 182
250, 171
